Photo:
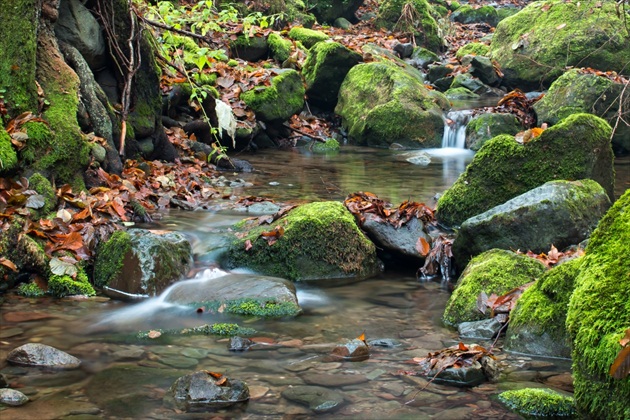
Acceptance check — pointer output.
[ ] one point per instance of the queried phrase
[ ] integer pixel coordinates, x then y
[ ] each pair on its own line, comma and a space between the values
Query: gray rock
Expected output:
41, 355
484, 329
467, 14
483, 68
277, 102
329, 10
559, 213
438, 71
486, 126
317, 398
342, 23
78, 27
201, 391
12, 397
419, 158
421, 57
249, 48
404, 50
354, 350
401, 241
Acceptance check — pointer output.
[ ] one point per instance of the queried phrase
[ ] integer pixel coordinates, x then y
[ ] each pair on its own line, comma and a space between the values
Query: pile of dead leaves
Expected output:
360, 203
499, 307
438, 259
454, 357
517, 103
553, 257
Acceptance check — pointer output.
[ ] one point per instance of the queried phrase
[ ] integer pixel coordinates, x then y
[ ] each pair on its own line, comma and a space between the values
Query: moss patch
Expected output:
486, 126
599, 314
30, 290
8, 157
472, 48
279, 101
308, 37
495, 271
220, 329
43, 187
467, 14
280, 48
110, 258
538, 402
61, 286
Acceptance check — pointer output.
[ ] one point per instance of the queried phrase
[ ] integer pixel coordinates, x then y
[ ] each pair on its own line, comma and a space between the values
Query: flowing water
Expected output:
123, 376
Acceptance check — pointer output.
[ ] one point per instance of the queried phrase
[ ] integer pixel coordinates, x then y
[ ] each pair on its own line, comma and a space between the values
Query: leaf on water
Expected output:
423, 247
35, 201
62, 268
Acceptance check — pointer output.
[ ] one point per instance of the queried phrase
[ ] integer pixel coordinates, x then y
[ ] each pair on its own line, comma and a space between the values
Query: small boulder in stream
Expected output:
354, 351
205, 391
401, 240
41, 355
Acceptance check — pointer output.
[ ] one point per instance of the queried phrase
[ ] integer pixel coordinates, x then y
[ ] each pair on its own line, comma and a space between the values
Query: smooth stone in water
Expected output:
317, 398
41, 355
355, 350
12, 397
202, 391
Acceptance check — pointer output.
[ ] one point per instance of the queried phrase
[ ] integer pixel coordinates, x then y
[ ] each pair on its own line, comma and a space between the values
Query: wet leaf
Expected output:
64, 215
62, 268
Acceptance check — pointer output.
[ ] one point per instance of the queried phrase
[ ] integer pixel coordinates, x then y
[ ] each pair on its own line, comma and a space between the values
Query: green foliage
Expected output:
539, 402
8, 157
30, 290
61, 286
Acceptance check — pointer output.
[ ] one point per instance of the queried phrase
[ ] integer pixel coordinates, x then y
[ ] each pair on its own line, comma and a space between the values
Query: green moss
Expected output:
424, 29
467, 14
538, 402
220, 329
576, 148
232, 63
8, 157
43, 187
320, 240
279, 101
205, 79
460, 93
495, 271
472, 48
308, 37
599, 314
486, 126
110, 258
262, 308
180, 41
61, 286
30, 290
331, 145
280, 48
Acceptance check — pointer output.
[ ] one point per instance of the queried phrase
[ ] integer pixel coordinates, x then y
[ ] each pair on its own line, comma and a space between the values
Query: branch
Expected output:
205, 39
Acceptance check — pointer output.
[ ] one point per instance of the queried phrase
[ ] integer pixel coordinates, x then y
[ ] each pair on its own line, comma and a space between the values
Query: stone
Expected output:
380, 103
78, 27
539, 402
240, 344
308, 37
534, 46
12, 397
317, 398
418, 158
202, 391
41, 355
249, 48
400, 241
483, 68
576, 148
354, 350
423, 26
342, 23
421, 58
484, 127
328, 11
484, 329
277, 102
468, 14
558, 213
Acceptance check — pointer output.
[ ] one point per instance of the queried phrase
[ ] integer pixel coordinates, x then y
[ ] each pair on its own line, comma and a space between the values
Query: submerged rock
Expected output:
41, 355
354, 350
12, 397
484, 329
317, 398
204, 391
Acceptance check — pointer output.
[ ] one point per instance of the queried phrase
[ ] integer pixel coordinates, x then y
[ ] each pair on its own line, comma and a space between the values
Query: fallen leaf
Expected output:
621, 366
154, 334
8, 263
423, 247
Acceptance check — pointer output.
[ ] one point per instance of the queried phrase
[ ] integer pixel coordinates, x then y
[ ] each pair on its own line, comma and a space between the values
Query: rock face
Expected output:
247, 294
533, 46
537, 323
139, 263
279, 101
203, 391
314, 241
495, 271
325, 68
576, 92
402, 241
560, 213
423, 25
598, 316
381, 104
486, 126
249, 48
317, 398
576, 148
41, 355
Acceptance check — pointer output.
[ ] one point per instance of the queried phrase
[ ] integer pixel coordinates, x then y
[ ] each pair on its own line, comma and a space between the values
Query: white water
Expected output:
455, 129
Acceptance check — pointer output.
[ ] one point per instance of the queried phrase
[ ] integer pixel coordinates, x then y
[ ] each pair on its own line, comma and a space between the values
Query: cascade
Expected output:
455, 129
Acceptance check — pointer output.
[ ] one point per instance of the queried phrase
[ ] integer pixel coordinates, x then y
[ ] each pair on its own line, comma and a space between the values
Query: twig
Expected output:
203, 38
620, 110
323, 140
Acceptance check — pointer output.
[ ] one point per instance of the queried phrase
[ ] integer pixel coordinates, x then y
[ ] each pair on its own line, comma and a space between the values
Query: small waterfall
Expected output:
455, 129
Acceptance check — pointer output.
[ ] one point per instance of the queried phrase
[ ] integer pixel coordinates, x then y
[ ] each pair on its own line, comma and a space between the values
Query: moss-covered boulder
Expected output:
472, 48
539, 403
141, 263
599, 315
496, 271
421, 57
44, 188
327, 11
460, 93
534, 46
483, 14
279, 48
308, 37
483, 127
537, 323
576, 148
8, 157
575, 92
315, 241
279, 101
381, 104
560, 213
249, 48
61, 286
325, 68
420, 22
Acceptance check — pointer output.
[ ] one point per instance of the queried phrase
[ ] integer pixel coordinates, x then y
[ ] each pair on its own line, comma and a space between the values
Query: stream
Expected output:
123, 376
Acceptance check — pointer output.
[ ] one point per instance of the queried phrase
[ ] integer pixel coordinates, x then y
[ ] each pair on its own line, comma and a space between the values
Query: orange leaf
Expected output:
621, 366
423, 247
7, 263
537, 131
462, 347
626, 339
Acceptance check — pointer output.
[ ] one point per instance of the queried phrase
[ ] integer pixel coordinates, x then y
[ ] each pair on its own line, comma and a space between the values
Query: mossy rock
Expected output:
534, 46
576, 148
486, 126
320, 241
325, 68
537, 323
8, 157
421, 57
44, 188
61, 286
472, 48
599, 315
308, 37
425, 29
327, 11
539, 403
280, 48
248, 48
279, 101
468, 14
329, 146
460, 93
381, 104
576, 92
496, 271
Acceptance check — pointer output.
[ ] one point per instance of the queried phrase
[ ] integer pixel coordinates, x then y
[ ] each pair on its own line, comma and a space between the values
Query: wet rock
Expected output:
483, 68
486, 126
317, 398
78, 27
401, 241
249, 48
277, 102
240, 344
388, 343
41, 355
12, 397
333, 380
201, 391
4, 382
484, 329
355, 351
420, 159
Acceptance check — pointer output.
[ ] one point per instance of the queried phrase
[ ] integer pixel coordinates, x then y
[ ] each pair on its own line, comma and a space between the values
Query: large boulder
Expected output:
381, 104
576, 148
599, 315
399, 241
314, 241
534, 46
537, 323
139, 263
327, 11
559, 213
486, 126
496, 271
325, 68
276, 103
577, 91
420, 22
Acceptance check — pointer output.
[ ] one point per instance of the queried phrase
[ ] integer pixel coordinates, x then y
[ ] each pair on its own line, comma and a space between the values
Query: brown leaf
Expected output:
621, 366
423, 247
7, 263
248, 245
154, 334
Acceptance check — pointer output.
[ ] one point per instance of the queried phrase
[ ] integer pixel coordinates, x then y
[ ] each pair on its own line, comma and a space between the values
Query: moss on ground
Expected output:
31, 290
495, 271
110, 258
468, 14
599, 314
308, 37
220, 329
538, 402
43, 187
61, 286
